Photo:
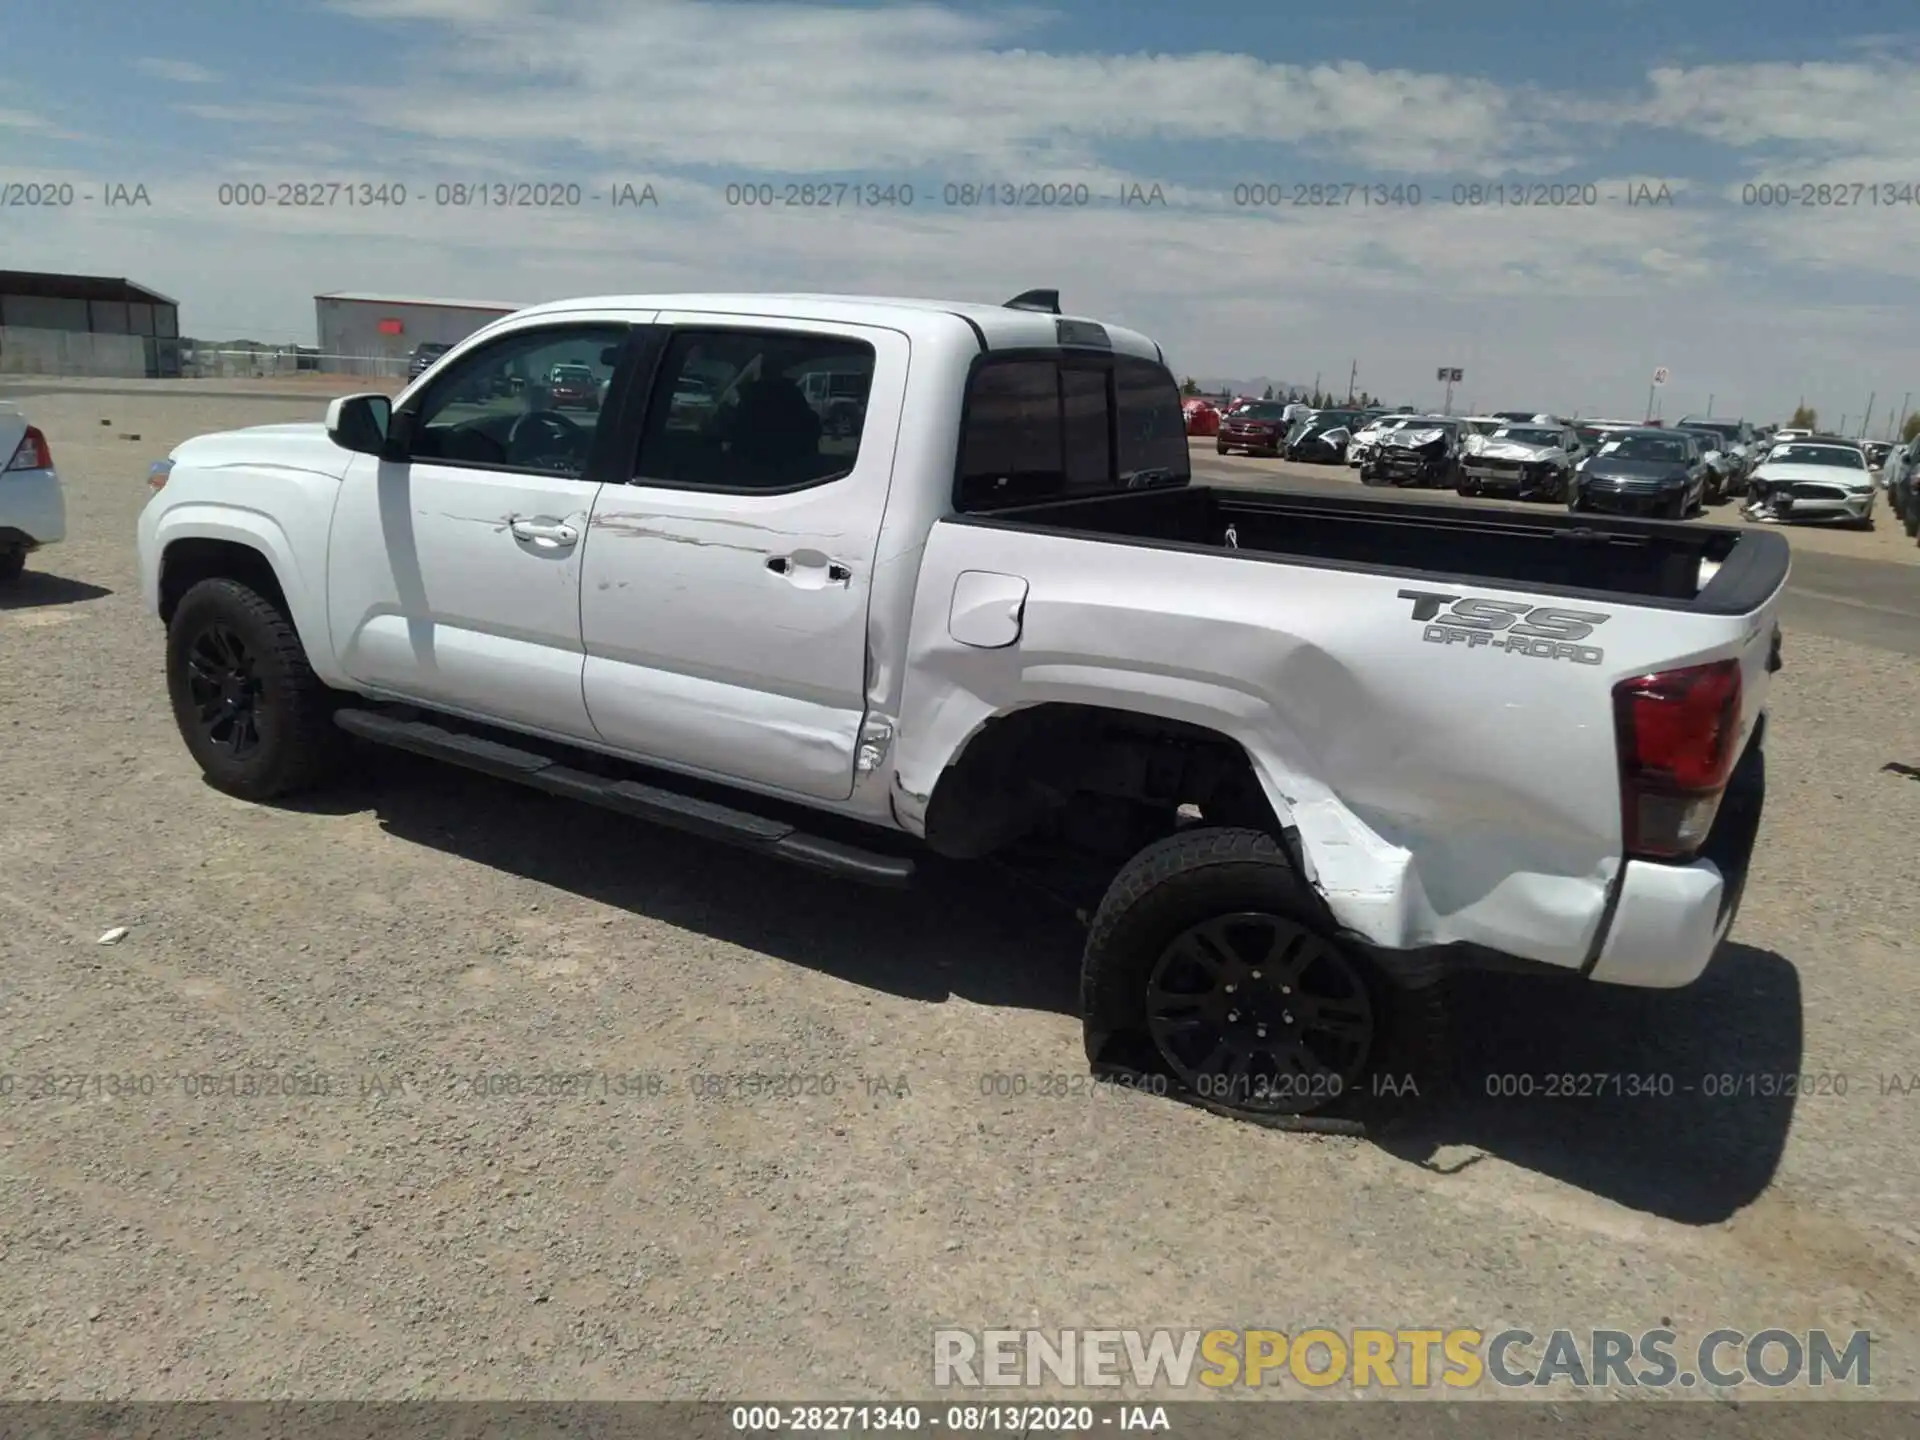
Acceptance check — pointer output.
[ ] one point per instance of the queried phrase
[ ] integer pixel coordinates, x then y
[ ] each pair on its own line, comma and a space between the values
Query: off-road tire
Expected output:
13, 560
298, 741
1203, 872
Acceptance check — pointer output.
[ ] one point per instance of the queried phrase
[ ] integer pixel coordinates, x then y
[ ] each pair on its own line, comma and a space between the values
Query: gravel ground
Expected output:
408, 1233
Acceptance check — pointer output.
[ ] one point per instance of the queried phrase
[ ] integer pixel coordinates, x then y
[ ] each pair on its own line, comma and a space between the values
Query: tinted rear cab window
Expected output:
1050, 427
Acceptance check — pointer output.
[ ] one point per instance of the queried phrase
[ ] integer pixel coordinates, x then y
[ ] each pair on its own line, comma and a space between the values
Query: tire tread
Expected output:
311, 741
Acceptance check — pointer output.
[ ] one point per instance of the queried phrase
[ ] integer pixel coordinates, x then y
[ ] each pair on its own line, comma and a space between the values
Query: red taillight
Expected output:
1676, 733
31, 453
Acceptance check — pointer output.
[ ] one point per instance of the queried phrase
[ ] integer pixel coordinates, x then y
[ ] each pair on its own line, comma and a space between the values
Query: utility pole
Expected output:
1841, 428
1901, 423
1867, 419
1353, 374
1650, 402
1709, 407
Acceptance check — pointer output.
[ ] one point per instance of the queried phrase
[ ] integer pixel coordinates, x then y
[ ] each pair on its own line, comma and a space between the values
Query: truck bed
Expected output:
1706, 569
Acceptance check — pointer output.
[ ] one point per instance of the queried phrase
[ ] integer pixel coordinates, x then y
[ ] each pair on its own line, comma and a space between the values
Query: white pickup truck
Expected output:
1304, 757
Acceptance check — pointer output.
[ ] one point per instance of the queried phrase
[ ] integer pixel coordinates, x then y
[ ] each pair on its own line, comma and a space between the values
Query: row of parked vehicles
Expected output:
1614, 466
1900, 478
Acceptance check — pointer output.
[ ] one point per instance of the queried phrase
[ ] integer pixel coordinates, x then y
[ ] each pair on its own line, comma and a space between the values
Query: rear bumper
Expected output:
33, 509
1670, 919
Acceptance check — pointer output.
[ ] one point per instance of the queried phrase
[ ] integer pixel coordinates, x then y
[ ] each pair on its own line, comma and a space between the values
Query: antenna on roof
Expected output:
1047, 302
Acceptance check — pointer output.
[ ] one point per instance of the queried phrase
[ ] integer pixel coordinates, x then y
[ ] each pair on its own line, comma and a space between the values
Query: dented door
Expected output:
724, 613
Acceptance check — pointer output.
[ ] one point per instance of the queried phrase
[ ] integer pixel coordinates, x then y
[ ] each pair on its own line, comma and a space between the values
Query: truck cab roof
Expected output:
992, 327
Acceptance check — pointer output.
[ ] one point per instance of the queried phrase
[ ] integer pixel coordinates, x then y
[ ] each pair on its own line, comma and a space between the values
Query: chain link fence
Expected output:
203, 362
26, 351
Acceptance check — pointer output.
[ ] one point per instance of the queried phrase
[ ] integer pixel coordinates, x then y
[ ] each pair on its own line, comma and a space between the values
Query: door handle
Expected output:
793, 568
554, 532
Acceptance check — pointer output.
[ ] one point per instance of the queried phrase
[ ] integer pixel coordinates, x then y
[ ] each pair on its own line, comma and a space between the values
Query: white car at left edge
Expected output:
33, 510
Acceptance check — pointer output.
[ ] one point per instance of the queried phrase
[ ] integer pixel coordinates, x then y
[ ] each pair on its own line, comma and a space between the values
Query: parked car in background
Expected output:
1790, 434
1647, 471
1423, 451
33, 507
1202, 416
1814, 479
1877, 452
1369, 435
573, 387
1321, 437
1901, 477
1527, 461
839, 398
1740, 443
1724, 470
423, 356
1259, 429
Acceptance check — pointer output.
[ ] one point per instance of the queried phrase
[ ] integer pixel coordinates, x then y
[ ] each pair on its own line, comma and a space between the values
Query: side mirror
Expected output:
359, 422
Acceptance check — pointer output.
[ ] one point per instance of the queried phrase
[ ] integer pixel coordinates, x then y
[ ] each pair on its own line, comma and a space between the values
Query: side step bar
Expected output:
629, 797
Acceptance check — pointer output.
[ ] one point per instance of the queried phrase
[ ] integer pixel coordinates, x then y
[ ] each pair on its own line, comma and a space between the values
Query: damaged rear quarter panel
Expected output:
1442, 792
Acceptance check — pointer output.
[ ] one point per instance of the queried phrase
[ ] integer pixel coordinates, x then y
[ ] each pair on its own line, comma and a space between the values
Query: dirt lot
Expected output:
409, 1232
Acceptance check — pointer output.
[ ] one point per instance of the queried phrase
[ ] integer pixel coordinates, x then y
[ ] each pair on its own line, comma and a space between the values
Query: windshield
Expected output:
1261, 411
1649, 447
1844, 456
1525, 436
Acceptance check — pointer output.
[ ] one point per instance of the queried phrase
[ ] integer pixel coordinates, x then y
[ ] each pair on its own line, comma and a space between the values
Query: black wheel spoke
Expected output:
223, 690
1203, 949
1255, 1010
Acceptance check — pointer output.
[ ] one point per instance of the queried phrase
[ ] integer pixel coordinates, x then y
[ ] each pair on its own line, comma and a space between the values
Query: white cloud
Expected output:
22, 120
180, 72
687, 83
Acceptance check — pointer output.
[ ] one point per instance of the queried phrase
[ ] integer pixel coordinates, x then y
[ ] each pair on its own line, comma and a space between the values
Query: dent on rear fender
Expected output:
1494, 887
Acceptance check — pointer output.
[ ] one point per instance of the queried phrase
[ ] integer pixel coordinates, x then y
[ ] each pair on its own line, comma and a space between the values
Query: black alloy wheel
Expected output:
224, 683
1253, 1010
254, 716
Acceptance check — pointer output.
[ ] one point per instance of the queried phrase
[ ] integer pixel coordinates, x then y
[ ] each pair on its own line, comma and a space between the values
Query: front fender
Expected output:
302, 574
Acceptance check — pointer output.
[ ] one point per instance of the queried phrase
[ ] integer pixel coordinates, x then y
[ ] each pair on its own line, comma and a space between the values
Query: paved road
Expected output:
1843, 593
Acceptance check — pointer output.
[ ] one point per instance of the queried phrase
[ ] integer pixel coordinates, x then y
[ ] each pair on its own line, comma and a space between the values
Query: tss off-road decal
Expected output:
1541, 632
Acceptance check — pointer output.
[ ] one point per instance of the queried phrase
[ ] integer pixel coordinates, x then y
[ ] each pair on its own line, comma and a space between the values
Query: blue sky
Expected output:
1566, 306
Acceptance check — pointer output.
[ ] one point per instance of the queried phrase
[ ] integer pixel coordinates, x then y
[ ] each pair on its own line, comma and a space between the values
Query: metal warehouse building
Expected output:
86, 325
362, 333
